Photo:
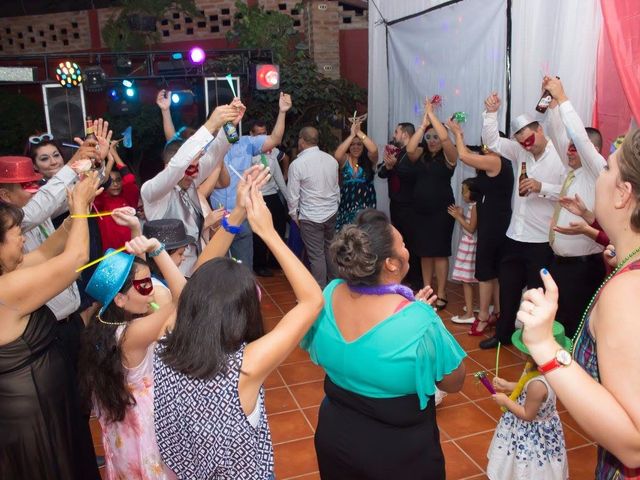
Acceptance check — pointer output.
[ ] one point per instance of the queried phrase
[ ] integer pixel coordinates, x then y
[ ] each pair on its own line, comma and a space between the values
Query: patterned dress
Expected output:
202, 431
522, 450
464, 267
356, 193
130, 447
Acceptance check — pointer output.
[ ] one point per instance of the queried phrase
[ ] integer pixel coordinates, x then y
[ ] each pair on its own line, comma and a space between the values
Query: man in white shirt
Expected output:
274, 193
314, 195
577, 267
173, 192
526, 249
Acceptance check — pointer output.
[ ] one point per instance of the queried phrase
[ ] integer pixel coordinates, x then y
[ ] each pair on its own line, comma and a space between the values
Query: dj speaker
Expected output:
65, 111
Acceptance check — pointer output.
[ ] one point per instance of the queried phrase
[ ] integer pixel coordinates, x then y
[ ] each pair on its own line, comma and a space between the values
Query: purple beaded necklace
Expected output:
406, 292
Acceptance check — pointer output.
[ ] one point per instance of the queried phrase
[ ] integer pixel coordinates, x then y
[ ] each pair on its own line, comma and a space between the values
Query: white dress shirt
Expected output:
565, 124
50, 200
276, 182
162, 194
314, 193
531, 215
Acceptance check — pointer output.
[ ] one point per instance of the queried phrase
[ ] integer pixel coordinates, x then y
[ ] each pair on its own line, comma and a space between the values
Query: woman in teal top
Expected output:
384, 354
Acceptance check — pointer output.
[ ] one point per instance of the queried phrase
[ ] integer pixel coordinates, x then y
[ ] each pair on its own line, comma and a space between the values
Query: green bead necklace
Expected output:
595, 295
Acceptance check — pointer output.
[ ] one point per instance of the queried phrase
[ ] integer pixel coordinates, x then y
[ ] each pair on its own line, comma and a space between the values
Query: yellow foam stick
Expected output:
98, 260
92, 215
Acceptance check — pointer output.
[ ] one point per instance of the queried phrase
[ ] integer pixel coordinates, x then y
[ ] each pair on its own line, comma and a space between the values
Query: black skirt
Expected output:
377, 438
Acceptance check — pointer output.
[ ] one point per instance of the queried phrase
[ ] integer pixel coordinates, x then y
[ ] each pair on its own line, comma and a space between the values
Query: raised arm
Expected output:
265, 354
449, 149
341, 152
490, 133
163, 100
557, 133
615, 316
275, 139
489, 163
26, 289
414, 150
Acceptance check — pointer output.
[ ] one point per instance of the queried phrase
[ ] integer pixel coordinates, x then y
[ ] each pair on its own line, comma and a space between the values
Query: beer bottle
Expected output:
89, 131
523, 175
545, 101
231, 132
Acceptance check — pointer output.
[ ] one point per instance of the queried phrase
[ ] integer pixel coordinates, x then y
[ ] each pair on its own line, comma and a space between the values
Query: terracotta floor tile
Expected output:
453, 399
463, 420
308, 394
582, 462
286, 296
310, 476
457, 464
471, 365
288, 426
287, 307
273, 380
490, 407
278, 287
467, 342
477, 447
572, 438
487, 358
312, 416
270, 310
99, 450
295, 458
96, 431
279, 400
511, 373
298, 355
301, 372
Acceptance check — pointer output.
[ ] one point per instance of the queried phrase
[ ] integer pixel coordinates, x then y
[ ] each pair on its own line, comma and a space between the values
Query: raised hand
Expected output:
163, 100
454, 127
221, 115
82, 195
141, 245
258, 214
425, 295
81, 160
214, 218
492, 103
258, 173
126, 217
555, 88
103, 135
537, 312
285, 102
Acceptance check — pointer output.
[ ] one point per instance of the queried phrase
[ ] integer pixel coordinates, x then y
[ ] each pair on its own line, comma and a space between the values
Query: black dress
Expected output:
432, 196
494, 215
44, 435
362, 438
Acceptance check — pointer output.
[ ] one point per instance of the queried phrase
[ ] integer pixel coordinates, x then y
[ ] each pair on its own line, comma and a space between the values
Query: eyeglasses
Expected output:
38, 139
192, 170
144, 286
529, 141
572, 148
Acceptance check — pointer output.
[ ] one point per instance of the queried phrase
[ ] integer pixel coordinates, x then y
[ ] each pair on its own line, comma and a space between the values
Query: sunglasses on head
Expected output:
38, 139
144, 286
192, 170
572, 148
529, 141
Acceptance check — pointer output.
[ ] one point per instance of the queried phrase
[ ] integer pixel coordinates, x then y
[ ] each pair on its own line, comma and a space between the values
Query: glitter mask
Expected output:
529, 141
144, 286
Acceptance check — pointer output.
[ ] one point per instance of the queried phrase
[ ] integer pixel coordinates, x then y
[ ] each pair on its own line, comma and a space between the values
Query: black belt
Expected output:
579, 259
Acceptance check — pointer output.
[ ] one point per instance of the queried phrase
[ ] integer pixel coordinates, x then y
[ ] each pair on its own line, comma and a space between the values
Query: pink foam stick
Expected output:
482, 376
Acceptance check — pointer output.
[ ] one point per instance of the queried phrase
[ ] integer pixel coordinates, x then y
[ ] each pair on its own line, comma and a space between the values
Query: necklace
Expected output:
595, 296
355, 167
406, 292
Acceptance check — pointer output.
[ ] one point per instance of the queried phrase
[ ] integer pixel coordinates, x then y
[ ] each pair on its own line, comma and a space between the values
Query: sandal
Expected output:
441, 303
474, 332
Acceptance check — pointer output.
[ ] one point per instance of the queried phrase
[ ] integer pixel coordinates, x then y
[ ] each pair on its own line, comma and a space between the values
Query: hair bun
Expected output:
352, 254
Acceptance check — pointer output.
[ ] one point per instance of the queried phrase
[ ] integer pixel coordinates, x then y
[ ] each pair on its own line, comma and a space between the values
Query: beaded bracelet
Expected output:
157, 251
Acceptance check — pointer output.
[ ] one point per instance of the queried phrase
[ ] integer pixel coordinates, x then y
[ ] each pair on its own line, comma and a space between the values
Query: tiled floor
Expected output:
466, 419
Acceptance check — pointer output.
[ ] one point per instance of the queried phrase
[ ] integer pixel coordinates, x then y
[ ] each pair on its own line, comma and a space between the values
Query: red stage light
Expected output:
267, 77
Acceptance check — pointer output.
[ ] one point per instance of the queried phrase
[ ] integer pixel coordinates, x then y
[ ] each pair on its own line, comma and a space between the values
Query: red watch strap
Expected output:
549, 366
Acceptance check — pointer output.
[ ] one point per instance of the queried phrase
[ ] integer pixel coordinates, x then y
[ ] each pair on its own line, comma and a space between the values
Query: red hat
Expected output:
17, 170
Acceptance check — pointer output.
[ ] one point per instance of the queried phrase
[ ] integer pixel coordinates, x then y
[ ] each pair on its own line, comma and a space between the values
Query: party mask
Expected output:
30, 187
572, 148
192, 170
529, 141
144, 286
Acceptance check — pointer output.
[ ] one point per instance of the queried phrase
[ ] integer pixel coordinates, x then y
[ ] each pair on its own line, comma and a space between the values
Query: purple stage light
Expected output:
197, 55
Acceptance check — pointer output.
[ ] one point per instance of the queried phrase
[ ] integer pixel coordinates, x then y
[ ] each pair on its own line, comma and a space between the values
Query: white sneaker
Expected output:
460, 319
440, 396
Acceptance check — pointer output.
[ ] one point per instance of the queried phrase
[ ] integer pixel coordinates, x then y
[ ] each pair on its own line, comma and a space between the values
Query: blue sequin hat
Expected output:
109, 277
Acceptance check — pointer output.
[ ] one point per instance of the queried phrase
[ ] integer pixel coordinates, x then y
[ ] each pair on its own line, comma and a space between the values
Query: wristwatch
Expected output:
562, 359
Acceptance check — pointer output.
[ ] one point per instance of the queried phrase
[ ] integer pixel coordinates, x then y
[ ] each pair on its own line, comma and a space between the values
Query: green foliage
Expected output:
20, 117
118, 34
148, 136
317, 100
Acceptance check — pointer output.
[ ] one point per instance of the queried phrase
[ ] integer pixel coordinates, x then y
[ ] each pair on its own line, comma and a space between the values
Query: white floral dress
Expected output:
522, 450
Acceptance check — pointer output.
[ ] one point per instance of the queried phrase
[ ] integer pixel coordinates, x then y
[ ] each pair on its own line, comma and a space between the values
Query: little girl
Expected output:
465, 264
529, 441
